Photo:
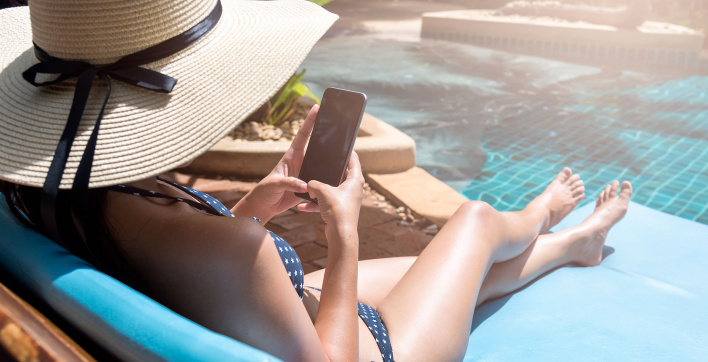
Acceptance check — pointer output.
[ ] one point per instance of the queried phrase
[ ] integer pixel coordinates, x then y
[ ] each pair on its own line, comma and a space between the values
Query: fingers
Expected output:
303, 134
293, 184
354, 168
318, 190
308, 207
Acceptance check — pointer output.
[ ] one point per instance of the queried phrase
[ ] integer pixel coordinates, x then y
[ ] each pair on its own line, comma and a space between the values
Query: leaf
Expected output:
283, 101
304, 91
321, 2
286, 110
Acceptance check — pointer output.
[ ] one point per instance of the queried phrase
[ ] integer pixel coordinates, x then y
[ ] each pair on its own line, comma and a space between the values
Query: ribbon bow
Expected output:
127, 70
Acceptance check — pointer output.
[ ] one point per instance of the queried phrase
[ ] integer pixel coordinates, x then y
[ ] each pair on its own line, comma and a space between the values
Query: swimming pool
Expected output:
498, 126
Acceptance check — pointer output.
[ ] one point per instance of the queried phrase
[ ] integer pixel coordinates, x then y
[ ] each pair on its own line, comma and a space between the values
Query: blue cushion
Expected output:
123, 321
648, 300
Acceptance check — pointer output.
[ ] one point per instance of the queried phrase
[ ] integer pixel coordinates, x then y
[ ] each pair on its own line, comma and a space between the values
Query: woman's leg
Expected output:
580, 245
429, 312
576, 246
546, 210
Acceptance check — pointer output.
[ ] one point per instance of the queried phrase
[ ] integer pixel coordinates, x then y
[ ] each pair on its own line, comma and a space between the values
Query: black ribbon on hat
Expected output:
127, 70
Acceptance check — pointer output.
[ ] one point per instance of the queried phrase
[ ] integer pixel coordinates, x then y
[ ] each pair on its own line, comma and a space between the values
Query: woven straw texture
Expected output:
224, 77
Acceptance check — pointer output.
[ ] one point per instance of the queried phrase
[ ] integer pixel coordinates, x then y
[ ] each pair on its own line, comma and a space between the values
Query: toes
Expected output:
600, 199
564, 175
607, 191
578, 191
626, 190
613, 189
573, 179
579, 198
577, 184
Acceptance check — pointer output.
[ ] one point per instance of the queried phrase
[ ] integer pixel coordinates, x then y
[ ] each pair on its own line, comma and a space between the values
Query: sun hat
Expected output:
240, 54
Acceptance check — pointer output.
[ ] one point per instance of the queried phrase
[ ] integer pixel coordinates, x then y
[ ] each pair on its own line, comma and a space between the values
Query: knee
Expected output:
477, 210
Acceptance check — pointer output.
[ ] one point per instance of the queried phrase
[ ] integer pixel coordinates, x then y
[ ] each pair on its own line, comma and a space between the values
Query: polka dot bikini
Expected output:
289, 257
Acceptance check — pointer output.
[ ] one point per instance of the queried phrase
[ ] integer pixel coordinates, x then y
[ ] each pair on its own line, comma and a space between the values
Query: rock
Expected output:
270, 133
431, 229
251, 130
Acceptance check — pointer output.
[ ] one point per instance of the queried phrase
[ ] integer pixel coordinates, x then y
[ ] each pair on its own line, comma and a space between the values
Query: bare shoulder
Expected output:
143, 226
222, 272
174, 245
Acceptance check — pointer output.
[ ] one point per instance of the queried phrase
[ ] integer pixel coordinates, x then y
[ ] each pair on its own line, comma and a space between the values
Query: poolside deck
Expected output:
651, 44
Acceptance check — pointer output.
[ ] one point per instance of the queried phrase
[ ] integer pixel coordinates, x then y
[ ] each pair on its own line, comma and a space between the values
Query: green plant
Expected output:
280, 107
321, 2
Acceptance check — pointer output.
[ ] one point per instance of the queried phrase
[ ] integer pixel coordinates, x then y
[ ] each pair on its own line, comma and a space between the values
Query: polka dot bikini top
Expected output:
212, 206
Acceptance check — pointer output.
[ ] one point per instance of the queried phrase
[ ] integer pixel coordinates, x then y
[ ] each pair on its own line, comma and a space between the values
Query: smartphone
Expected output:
332, 138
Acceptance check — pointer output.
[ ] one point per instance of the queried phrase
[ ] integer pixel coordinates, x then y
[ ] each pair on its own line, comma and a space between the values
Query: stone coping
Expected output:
381, 148
421, 192
644, 45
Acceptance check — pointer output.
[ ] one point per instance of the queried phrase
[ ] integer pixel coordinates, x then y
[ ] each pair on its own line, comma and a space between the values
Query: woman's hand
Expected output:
339, 206
274, 194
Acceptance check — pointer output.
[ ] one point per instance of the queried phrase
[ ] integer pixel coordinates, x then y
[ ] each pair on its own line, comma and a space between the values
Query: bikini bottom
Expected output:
372, 319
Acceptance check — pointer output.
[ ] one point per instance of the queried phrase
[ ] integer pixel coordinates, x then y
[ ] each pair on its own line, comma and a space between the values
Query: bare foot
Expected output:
560, 198
609, 209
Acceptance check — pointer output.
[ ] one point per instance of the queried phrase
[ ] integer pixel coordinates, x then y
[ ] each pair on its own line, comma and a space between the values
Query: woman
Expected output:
96, 192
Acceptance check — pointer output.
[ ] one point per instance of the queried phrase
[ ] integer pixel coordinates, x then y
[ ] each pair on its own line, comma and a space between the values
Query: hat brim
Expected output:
227, 75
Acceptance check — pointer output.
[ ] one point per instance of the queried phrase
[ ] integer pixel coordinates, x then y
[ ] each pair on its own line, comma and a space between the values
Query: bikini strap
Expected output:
125, 189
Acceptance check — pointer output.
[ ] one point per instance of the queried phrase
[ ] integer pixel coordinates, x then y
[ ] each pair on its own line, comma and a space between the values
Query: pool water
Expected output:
499, 126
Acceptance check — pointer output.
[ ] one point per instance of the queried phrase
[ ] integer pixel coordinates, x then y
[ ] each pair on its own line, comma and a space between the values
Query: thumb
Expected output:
316, 189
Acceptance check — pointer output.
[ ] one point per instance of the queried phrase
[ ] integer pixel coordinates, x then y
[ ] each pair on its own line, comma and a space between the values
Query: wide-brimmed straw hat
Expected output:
222, 76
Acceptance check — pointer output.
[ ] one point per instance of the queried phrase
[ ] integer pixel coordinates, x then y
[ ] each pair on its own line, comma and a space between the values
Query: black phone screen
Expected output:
333, 136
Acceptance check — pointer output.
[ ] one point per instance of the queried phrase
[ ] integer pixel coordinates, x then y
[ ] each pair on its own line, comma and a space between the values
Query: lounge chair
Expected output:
646, 301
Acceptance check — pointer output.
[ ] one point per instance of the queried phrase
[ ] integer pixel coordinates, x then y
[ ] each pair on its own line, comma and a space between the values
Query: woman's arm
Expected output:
275, 193
336, 321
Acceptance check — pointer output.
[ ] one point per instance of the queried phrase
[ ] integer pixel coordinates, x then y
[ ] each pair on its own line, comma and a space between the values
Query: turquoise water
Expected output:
498, 126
